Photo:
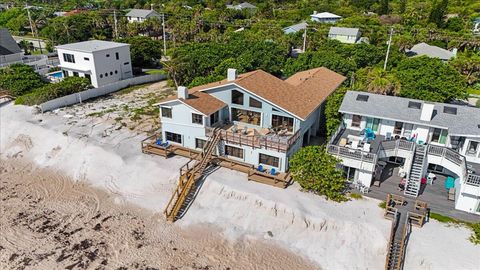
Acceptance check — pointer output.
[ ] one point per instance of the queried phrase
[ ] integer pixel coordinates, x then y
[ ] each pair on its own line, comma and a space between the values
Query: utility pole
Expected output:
388, 48
304, 39
115, 23
31, 27
164, 36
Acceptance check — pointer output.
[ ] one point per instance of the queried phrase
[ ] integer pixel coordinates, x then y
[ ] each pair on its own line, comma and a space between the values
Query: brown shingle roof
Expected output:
300, 94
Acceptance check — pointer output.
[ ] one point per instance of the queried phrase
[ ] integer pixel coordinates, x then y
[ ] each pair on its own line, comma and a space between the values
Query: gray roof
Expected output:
243, 5
91, 46
326, 15
466, 121
141, 13
344, 31
296, 27
431, 51
7, 44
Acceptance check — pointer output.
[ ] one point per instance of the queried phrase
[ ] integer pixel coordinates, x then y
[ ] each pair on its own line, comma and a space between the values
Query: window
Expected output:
255, 103
268, 160
65, 73
214, 117
173, 137
197, 118
361, 97
282, 122
89, 78
126, 63
233, 151
450, 110
117, 56
407, 130
245, 116
439, 135
75, 74
101, 75
414, 105
86, 59
166, 112
108, 55
397, 129
70, 58
106, 74
111, 73
472, 148
116, 71
200, 143
237, 97
373, 123
356, 120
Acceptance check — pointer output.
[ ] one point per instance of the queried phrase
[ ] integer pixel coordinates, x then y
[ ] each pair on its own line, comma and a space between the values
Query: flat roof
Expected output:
460, 120
91, 46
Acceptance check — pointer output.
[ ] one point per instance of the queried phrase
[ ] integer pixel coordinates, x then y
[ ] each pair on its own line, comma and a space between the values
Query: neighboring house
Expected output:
263, 120
295, 28
140, 15
344, 34
10, 52
325, 17
102, 62
476, 26
242, 6
422, 137
431, 51
59, 13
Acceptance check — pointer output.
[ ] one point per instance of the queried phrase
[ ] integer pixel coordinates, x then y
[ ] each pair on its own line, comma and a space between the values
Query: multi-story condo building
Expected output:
423, 136
262, 120
102, 62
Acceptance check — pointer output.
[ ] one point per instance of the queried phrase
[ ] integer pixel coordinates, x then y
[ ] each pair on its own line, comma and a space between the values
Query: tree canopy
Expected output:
144, 51
19, 79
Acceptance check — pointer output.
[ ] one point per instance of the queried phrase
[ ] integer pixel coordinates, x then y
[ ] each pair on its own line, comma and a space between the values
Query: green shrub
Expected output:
475, 238
19, 79
382, 205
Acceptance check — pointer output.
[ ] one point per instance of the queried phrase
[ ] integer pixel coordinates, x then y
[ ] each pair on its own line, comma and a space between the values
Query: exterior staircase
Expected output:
412, 187
401, 229
182, 195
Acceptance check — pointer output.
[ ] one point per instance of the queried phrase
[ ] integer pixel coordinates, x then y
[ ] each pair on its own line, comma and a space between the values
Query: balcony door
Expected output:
373, 124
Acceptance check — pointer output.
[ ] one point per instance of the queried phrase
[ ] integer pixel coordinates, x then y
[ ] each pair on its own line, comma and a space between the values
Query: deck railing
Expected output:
275, 143
352, 153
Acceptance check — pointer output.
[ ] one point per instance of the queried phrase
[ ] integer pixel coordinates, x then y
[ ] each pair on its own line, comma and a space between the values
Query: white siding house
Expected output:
426, 137
102, 62
325, 17
345, 34
141, 15
264, 120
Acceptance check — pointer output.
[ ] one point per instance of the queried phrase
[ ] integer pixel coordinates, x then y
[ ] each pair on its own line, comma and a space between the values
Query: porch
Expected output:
435, 195
282, 180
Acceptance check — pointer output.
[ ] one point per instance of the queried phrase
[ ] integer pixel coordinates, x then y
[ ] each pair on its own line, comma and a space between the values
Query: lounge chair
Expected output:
166, 144
273, 171
158, 142
343, 142
260, 168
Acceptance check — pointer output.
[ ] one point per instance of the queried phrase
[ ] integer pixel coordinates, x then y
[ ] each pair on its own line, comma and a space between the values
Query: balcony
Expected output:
280, 141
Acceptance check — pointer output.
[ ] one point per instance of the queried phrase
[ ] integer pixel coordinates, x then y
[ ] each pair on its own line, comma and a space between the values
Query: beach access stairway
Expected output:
416, 172
189, 176
403, 214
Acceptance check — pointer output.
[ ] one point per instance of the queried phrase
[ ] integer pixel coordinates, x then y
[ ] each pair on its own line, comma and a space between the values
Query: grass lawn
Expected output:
473, 91
156, 71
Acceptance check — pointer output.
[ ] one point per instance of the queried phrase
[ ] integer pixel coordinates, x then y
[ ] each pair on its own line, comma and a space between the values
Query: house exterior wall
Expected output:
11, 58
344, 38
324, 20
102, 69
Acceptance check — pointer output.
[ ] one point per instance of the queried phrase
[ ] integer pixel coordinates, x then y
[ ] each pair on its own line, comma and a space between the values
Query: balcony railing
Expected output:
274, 143
352, 153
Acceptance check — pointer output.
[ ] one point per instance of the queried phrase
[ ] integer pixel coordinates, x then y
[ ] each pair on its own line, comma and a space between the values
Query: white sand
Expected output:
350, 235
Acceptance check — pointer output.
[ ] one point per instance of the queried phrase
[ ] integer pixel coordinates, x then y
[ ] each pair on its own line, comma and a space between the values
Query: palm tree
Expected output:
378, 81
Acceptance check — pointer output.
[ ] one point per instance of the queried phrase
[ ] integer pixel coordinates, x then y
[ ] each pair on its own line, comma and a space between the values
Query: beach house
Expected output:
386, 137
295, 28
141, 15
101, 62
345, 34
324, 17
262, 120
431, 51
242, 6
10, 52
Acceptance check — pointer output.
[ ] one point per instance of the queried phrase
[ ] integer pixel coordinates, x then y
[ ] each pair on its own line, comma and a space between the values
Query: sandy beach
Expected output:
49, 221
75, 181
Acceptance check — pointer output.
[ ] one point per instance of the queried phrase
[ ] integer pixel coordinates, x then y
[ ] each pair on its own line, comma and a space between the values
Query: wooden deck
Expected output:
281, 180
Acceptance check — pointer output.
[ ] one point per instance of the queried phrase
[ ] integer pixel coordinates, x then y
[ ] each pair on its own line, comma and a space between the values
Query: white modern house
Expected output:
423, 137
431, 51
325, 17
295, 28
102, 62
10, 52
262, 119
141, 15
345, 34
242, 6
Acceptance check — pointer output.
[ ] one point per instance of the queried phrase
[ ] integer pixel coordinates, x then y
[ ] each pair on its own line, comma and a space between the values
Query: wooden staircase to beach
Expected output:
189, 176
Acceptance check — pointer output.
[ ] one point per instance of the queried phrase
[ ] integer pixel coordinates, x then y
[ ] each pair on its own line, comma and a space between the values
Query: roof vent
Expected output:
182, 92
450, 110
361, 97
414, 105
427, 112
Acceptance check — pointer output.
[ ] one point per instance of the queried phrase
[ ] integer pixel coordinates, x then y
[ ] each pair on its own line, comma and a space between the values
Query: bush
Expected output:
19, 79
475, 238
382, 204
68, 86
316, 170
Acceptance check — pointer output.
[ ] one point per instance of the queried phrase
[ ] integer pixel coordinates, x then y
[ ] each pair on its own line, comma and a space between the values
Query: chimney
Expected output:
427, 112
315, 12
454, 51
182, 92
151, 6
231, 74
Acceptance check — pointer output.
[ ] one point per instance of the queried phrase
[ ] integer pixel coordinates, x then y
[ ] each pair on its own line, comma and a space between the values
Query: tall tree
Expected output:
438, 12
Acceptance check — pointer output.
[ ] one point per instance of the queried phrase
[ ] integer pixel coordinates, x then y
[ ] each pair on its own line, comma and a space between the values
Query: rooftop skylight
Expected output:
450, 110
414, 105
361, 97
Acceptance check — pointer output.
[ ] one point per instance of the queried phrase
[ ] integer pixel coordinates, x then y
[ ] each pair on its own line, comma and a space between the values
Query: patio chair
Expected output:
366, 147
166, 144
158, 142
260, 168
388, 136
355, 144
343, 142
273, 171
